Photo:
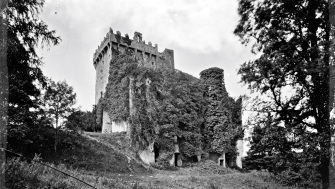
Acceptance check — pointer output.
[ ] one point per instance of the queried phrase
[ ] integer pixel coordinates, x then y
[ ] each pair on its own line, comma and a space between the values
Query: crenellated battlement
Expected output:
117, 40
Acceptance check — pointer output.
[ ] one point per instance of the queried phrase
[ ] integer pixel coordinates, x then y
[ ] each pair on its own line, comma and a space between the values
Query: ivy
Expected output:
222, 117
168, 103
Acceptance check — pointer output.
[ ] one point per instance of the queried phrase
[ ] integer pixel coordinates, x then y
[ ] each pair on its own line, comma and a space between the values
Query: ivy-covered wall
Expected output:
169, 103
223, 121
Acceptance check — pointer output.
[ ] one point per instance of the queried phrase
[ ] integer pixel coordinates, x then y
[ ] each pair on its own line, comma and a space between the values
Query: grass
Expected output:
21, 174
107, 161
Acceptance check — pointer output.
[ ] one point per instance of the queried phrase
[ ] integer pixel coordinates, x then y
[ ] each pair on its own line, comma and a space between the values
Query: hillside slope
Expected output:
201, 175
107, 161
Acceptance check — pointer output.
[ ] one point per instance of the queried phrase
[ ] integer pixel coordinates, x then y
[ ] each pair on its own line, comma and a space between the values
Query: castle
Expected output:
148, 56
147, 53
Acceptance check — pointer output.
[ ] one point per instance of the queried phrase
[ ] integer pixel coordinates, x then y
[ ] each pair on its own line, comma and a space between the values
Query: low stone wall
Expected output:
239, 146
106, 123
147, 156
109, 126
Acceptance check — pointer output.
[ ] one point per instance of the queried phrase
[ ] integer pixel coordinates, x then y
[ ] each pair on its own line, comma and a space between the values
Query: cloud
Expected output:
204, 26
200, 33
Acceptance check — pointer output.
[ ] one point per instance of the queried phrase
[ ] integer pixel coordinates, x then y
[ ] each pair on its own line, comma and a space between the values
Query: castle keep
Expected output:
147, 54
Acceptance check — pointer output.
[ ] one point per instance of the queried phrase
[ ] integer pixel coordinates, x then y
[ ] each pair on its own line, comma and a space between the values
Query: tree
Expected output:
21, 30
3, 93
265, 133
59, 100
75, 121
293, 39
24, 32
80, 120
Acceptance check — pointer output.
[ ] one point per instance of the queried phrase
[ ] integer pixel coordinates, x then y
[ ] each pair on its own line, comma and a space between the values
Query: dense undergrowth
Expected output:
161, 105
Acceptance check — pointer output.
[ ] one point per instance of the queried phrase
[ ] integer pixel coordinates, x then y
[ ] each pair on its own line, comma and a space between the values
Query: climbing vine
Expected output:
162, 104
222, 125
183, 112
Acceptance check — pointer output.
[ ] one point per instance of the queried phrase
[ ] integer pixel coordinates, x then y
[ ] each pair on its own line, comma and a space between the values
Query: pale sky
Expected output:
199, 32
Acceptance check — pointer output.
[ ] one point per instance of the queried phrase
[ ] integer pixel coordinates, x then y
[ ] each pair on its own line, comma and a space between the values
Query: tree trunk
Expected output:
56, 140
324, 141
56, 135
3, 94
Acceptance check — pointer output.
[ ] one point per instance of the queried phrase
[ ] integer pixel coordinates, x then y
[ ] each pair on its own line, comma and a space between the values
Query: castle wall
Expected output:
147, 156
239, 146
102, 73
109, 126
106, 123
119, 126
166, 60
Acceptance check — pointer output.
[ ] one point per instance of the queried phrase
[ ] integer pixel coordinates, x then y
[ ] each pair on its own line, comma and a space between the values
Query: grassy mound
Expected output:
21, 174
82, 153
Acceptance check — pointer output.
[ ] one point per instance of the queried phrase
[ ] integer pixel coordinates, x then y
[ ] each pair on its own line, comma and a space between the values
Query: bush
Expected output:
306, 178
163, 163
21, 174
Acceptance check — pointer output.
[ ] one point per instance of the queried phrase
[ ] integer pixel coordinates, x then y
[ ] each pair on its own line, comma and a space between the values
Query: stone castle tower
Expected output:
148, 54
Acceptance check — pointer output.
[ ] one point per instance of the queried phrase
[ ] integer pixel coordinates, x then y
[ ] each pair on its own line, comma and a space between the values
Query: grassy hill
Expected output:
107, 161
78, 155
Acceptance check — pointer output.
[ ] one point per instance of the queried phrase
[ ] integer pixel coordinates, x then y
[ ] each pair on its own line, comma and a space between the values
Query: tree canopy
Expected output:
25, 31
83, 120
293, 40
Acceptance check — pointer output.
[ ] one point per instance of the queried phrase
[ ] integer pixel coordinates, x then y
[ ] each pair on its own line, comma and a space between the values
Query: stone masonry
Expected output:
147, 54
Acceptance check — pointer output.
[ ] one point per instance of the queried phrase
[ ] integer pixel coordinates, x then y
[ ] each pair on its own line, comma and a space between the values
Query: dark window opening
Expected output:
176, 159
221, 162
156, 151
195, 159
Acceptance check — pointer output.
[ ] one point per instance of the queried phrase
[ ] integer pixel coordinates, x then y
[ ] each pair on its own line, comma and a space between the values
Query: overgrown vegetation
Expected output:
162, 104
221, 131
83, 121
22, 174
24, 32
207, 174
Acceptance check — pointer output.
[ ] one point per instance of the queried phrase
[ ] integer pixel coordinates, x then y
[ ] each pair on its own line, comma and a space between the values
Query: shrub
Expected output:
163, 163
21, 174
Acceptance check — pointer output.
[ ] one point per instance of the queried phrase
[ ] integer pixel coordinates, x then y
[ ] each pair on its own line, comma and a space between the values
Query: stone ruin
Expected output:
149, 57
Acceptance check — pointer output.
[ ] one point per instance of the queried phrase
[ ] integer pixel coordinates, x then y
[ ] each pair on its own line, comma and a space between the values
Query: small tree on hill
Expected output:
83, 120
59, 100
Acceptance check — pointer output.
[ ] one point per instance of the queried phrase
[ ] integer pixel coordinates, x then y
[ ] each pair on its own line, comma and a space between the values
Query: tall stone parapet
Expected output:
146, 54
